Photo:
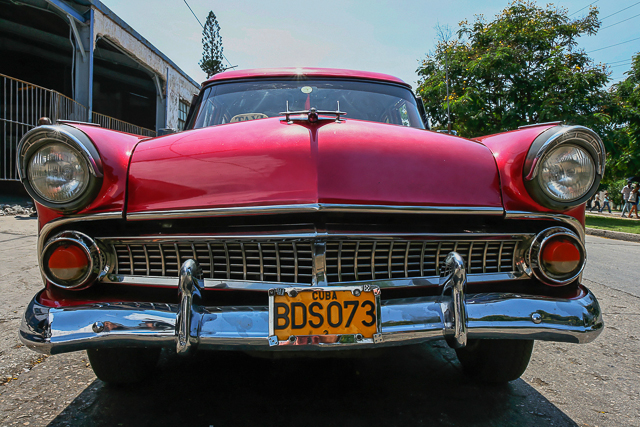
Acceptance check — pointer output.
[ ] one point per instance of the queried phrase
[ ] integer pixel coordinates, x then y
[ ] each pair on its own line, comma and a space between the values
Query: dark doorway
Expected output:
122, 88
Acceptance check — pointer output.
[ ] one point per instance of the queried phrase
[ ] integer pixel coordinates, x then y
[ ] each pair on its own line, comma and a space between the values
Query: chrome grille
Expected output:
292, 261
288, 262
349, 261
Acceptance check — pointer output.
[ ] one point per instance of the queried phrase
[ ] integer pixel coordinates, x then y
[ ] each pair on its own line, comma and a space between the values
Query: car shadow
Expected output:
409, 386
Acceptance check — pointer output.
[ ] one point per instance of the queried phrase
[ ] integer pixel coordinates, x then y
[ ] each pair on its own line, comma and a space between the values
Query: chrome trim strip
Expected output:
373, 259
406, 260
313, 207
164, 267
212, 269
339, 261
403, 321
172, 282
355, 260
131, 264
261, 261
226, 254
295, 261
278, 266
573, 223
197, 238
146, 258
244, 261
319, 265
539, 124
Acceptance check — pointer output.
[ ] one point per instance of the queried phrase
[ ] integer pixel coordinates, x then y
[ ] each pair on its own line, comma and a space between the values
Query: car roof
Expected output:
301, 71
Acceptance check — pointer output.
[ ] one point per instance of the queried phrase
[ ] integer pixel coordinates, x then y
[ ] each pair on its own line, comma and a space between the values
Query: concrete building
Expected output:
76, 59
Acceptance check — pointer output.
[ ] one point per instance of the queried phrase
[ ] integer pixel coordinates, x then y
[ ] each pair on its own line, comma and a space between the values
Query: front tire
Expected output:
495, 361
123, 365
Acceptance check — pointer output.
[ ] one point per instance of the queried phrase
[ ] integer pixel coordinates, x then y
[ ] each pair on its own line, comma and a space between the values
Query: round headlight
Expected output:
567, 173
58, 173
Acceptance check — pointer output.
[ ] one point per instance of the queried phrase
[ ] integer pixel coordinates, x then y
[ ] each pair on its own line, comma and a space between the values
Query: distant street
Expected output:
565, 385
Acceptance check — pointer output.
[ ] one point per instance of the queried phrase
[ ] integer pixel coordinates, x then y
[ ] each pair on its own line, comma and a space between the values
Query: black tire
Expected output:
123, 365
495, 361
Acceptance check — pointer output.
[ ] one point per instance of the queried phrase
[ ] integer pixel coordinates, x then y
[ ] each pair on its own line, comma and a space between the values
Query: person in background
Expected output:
626, 191
595, 203
605, 203
633, 200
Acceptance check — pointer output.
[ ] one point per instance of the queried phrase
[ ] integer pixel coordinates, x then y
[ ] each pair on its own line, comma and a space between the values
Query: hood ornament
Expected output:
312, 115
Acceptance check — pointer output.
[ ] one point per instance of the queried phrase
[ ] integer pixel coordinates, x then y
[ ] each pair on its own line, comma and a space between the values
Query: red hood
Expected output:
268, 162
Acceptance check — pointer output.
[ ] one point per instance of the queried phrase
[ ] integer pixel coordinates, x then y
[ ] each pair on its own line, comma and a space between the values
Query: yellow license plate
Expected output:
323, 315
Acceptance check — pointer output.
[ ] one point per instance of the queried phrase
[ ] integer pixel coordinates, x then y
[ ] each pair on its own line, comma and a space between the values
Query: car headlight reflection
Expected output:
567, 173
58, 173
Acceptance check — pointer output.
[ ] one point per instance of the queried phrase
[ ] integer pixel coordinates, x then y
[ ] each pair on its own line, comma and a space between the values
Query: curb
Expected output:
618, 235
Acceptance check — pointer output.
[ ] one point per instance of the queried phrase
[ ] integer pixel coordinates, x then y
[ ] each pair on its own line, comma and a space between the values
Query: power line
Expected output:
617, 62
621, 10
620, 22
584, 8
620, 65
194, 15
617, 44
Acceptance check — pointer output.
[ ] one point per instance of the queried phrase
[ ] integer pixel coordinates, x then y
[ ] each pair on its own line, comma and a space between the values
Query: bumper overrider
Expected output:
452, 316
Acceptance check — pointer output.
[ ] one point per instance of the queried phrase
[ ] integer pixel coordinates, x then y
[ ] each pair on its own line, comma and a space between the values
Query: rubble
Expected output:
15, 209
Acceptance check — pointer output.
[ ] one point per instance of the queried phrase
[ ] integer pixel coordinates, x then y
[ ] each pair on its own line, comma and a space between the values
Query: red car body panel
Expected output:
270, 162
510, 150
306, 72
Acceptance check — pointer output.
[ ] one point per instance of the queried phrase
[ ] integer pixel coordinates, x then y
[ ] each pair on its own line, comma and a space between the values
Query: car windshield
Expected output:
258, 99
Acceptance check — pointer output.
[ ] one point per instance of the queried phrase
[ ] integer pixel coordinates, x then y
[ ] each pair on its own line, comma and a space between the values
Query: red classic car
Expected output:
309, 210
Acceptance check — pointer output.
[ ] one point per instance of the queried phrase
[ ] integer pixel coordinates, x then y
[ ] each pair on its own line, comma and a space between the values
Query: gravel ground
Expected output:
19, 280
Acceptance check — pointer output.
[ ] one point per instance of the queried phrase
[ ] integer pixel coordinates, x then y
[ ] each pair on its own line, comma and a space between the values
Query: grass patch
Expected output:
613, 224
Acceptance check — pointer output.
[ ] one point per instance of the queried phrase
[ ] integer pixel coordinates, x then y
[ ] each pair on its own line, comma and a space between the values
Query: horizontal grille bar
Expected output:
293, 262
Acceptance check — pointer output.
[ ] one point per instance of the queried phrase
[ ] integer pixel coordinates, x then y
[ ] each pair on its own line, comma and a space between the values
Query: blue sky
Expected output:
377, 35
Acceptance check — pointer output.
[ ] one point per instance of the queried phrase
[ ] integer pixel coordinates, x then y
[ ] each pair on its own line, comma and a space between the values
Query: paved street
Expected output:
565, 385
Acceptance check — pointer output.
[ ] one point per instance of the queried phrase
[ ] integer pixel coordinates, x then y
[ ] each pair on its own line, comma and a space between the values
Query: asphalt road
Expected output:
565, 385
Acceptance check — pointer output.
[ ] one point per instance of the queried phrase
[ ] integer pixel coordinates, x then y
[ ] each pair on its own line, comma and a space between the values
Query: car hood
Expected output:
269, 162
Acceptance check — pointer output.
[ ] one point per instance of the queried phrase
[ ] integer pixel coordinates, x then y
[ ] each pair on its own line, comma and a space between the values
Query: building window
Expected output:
182, 114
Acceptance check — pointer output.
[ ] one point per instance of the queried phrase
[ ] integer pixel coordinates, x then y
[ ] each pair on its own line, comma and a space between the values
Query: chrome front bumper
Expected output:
453, 316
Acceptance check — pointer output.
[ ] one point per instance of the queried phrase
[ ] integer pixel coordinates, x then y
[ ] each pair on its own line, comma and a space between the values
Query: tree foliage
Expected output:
623, 139
211, 62
523, 67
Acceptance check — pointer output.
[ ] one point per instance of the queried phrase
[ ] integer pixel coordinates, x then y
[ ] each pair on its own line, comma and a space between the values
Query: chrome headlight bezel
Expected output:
545, 145
78, 143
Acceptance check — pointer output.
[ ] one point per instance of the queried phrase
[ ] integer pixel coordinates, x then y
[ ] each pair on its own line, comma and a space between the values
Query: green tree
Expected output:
211, 62
523, 67
623, 139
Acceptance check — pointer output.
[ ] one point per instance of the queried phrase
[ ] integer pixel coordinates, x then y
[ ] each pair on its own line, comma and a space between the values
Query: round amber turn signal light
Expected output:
560, 256
68, 262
